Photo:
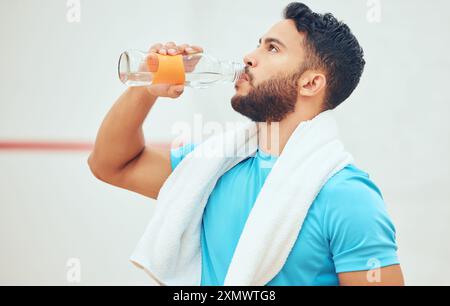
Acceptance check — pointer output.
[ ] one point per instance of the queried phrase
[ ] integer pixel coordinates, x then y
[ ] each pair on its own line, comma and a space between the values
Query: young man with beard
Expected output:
305, 64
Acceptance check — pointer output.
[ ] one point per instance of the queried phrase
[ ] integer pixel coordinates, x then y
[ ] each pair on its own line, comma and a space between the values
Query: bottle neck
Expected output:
232, 71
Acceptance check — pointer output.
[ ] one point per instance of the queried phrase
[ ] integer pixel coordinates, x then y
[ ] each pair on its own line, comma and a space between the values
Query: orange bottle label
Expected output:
169, 69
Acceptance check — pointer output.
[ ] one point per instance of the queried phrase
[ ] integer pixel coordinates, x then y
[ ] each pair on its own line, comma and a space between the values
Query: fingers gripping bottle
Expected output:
197, 70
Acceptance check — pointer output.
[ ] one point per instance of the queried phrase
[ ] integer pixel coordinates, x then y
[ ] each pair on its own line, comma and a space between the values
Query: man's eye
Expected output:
272, 47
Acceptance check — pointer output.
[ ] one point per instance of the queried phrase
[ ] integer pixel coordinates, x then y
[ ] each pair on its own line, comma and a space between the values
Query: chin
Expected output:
240, 90
240, 94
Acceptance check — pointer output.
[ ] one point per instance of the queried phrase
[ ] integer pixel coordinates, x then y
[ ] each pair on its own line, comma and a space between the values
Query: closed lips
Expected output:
245, 77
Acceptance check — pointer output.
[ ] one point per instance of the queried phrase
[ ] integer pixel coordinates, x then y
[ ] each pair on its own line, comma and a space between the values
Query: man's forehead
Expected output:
286, 32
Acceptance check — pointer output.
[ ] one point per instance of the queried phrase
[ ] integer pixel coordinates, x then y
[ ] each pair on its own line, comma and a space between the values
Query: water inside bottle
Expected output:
193, 79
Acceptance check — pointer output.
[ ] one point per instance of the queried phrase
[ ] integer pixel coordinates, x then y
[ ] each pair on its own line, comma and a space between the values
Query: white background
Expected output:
59, 79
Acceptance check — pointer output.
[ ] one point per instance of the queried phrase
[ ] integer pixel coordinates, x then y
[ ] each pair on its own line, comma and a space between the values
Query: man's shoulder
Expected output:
350, 188
179, 153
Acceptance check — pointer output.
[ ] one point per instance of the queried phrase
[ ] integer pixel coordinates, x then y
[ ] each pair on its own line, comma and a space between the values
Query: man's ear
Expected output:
311, 83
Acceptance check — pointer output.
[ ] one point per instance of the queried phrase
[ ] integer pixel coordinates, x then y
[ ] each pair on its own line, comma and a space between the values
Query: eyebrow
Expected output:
271, 40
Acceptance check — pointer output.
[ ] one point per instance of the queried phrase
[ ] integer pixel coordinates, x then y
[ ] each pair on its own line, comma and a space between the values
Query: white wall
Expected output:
59, 79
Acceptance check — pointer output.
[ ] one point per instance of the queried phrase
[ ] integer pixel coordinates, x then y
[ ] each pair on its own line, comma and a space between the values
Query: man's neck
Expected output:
273, 137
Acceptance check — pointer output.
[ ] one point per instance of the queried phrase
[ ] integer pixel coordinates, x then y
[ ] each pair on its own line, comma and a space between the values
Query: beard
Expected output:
270, 101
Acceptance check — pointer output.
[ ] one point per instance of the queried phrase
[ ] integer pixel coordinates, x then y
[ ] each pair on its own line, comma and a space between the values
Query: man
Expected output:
306, 64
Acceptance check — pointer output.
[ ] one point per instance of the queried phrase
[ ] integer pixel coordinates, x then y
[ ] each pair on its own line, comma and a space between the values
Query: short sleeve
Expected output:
178, 154
360, 232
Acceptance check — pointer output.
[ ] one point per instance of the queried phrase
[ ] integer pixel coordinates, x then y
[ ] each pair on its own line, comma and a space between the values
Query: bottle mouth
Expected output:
239, 71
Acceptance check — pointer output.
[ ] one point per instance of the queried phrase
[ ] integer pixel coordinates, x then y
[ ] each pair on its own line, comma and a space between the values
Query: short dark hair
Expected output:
330, 46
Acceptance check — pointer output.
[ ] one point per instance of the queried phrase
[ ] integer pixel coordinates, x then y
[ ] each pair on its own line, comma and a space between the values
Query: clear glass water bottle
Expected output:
137, 68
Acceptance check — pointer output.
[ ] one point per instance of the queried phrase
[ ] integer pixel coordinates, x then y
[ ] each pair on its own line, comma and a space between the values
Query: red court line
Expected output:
56, 146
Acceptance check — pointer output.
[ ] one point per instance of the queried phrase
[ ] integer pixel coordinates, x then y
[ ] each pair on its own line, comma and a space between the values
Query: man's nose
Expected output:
249, 61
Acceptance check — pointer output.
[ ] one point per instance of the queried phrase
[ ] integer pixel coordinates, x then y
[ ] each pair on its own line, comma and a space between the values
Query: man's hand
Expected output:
170, 48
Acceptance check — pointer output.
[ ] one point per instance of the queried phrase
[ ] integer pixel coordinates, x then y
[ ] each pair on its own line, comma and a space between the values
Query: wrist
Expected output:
142, 93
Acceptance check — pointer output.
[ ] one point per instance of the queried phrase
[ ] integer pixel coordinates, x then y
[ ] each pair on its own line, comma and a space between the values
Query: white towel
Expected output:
170, 250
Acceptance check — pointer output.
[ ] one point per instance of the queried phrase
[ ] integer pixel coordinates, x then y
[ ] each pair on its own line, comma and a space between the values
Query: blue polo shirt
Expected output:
347, 227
